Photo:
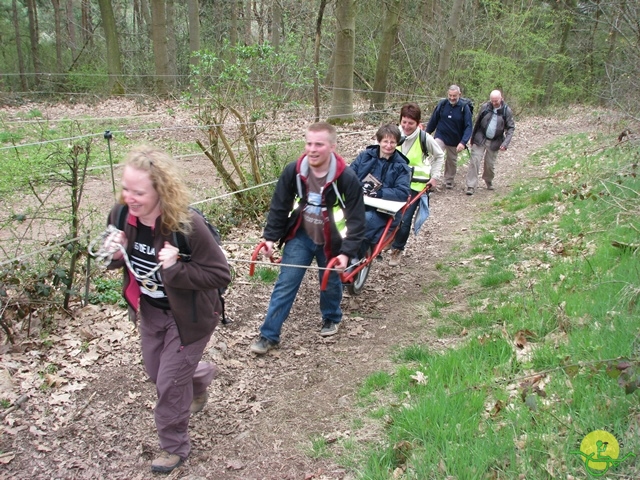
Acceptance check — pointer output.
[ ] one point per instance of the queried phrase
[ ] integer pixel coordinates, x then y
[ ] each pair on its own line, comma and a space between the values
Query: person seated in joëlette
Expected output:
385, 173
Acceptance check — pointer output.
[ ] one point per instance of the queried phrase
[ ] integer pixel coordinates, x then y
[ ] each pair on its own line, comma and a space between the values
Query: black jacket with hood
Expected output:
283, 220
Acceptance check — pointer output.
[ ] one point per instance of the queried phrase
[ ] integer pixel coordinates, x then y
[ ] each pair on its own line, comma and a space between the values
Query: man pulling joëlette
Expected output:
317, 211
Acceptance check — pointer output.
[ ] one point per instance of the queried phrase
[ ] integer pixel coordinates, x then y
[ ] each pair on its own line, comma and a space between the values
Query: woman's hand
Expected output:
168, 256
113, 242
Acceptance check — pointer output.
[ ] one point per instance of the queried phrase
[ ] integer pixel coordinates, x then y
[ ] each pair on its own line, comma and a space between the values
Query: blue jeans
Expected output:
376, 223
300, 250
403, 232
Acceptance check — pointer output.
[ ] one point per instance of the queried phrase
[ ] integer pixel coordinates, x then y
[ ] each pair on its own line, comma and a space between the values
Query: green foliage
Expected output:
107, 291
256, 77
495, 277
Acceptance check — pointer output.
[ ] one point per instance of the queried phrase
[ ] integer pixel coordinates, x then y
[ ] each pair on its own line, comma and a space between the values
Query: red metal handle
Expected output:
327, 272
254, 257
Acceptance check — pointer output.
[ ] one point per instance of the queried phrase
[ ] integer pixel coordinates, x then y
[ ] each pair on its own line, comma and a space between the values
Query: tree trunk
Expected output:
429, 11
389, 33
57, 21
114, 63
34, 34
316, 59
450, 41
159, 39
247, 22
566, 18
276, 14
233, 34
71, 29
172, 46
194, 29
259, 16
146, 15
16, 27
86, 21
342, 101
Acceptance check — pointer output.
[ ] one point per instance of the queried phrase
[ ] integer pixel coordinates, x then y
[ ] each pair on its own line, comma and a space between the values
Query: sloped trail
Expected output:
96, 421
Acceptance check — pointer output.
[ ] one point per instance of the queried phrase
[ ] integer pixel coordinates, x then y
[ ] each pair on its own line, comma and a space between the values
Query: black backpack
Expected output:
485, 111
464, 102
183, 245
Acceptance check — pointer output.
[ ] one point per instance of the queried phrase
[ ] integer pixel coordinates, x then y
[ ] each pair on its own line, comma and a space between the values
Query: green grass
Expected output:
557, 274
266, 274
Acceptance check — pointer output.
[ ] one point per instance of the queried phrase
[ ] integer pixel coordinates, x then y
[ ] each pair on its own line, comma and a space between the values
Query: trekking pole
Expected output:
108, 136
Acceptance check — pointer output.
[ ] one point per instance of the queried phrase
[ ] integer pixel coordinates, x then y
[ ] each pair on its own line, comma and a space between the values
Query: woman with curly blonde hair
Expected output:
176, 298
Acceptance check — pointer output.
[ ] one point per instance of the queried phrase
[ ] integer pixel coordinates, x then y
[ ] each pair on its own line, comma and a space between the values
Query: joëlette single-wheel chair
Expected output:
354, 277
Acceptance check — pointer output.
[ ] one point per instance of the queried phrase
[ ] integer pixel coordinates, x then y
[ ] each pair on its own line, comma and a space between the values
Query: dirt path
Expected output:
95, 419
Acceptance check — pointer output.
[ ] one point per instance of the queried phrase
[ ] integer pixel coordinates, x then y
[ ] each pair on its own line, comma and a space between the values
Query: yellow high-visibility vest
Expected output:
415, 161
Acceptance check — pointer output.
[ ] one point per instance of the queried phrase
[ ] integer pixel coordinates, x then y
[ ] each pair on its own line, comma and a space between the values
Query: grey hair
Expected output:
455, 87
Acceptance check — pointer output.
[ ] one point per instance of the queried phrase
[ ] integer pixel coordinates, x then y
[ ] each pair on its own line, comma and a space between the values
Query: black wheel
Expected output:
355, 287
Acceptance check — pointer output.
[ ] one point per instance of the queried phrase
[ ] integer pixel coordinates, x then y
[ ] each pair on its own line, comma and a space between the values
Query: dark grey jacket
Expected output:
504, 128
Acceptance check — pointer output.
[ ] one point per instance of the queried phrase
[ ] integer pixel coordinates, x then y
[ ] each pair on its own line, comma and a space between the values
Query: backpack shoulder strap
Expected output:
423, 143
483, 112
121, 218
339, 199
440, 105
504, 113
181, 242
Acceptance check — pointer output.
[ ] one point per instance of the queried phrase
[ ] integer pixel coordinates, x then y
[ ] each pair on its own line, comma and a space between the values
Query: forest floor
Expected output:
89, 411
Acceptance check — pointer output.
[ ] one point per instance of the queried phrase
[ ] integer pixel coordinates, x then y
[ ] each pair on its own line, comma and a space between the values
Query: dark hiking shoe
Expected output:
469, 191
198, 402
166, 462
448, 186
396, 255
328, 328
263, 345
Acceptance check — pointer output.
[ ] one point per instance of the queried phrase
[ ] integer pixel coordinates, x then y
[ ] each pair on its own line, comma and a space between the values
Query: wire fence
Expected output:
304, 110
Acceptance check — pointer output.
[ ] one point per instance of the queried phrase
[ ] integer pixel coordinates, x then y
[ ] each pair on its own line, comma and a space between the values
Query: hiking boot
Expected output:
448, 185
263, 345
489, 186
394, 259
198, 402
469, 191
166, 462
328, 328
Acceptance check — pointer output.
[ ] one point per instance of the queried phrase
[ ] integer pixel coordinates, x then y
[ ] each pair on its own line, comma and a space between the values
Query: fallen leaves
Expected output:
419, 377
7, 457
